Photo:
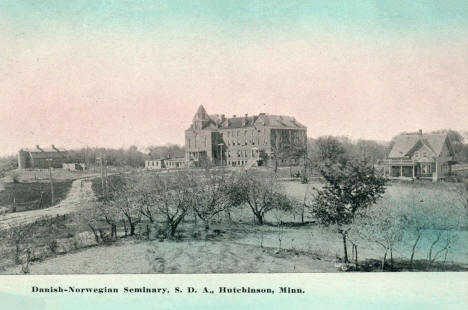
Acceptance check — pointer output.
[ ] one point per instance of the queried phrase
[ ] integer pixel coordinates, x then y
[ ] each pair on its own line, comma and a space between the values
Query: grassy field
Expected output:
42, 175
31, 196
235, 248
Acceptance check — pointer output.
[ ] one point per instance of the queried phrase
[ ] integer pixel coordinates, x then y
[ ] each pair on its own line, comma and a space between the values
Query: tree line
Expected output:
132, 156
370, 150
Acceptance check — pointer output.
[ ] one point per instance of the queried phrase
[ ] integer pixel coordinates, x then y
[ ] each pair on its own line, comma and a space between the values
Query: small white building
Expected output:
170, 163
155, 164
175, 163
74, 166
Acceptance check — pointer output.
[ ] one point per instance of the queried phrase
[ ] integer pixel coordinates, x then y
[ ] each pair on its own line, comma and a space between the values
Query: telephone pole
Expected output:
221, 151
101, 162
104, 182
49, 160
105, 176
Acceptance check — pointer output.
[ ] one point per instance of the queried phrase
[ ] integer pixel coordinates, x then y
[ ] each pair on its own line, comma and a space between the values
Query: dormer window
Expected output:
416, 154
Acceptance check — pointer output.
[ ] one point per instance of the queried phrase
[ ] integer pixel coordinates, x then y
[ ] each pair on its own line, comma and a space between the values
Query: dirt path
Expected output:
80, 195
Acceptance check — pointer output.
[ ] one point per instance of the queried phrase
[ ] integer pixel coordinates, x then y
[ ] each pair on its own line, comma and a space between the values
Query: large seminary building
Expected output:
244, 140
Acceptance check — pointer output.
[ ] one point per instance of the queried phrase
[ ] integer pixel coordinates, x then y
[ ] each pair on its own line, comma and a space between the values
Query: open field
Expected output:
132, 256
31, 196
239, 248
42, 175
77, 198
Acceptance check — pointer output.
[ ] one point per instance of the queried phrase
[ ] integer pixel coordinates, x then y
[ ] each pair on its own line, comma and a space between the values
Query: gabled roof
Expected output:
214, 121
42, 153
406, 144
45, 149
238, 122
201, 114
176, 159
281, 121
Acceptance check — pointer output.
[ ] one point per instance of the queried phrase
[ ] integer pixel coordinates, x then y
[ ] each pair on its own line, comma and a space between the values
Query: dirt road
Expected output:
79, 196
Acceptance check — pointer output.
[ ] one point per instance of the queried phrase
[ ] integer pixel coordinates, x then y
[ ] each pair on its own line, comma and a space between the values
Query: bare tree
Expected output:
20, 236
175, 198
261, 193
279, 214
380, 224
214, 195
126, 201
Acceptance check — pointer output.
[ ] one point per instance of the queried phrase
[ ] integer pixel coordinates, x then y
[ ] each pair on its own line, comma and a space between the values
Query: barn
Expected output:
41, 158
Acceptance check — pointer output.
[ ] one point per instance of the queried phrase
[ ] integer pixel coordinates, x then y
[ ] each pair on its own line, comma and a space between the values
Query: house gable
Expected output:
407, 144
447, 150
422, 152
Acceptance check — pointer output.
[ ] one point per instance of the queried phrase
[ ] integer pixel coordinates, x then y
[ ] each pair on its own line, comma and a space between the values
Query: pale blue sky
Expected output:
118, 73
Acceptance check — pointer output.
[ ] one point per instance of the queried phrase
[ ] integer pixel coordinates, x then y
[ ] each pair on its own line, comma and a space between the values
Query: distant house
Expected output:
418, 155
175, 163
156, 164
74, 166
41, 158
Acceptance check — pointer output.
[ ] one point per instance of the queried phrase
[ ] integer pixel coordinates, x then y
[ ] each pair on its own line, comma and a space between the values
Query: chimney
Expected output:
53, 146
234, 115
244, 121
246, 115
223, 117
39, 148
420, 132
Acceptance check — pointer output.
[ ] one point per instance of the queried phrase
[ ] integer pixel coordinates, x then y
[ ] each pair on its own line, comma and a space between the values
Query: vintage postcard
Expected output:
219, 154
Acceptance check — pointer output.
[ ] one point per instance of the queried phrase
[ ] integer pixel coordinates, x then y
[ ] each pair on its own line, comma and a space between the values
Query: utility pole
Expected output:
101, 162
221, 151
86, 157
105, 176
49, 160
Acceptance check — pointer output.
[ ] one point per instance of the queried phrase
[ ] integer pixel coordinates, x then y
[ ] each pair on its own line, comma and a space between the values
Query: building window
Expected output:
416, 154
426, 169
424, 154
